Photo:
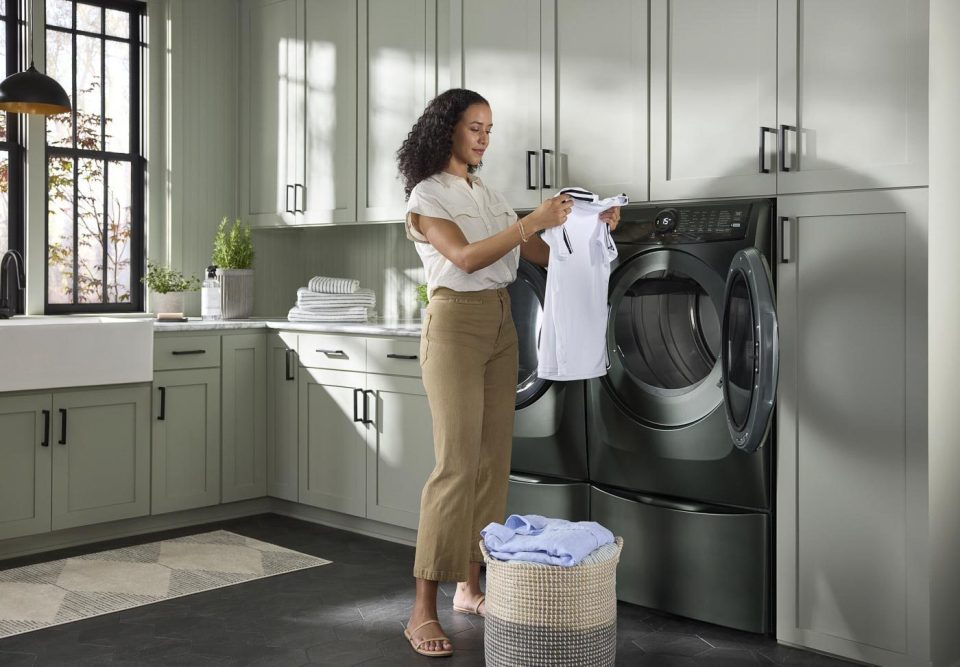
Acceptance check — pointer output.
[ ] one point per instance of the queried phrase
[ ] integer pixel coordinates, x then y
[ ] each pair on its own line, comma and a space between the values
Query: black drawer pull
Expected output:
333, 353
46, 429
63, 427
180, 352
163, 404
409, 357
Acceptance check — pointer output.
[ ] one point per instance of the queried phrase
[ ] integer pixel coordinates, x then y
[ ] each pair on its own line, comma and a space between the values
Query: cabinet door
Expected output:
332, 441
271, 90
853, 83
713, 88
327, 182
101, 455
495, 51
243, 416
595, 106
185, 459
282, 427
852, 572
397, 66
25, 471
399, 448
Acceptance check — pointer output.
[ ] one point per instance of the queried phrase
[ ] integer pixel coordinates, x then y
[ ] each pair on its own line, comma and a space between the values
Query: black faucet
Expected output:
8, 306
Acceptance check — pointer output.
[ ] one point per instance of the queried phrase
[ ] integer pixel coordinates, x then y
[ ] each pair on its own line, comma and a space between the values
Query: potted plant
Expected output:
167, 285
423, 299
233, 257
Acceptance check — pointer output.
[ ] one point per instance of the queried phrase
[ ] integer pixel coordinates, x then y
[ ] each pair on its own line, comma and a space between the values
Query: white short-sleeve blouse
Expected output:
479, 212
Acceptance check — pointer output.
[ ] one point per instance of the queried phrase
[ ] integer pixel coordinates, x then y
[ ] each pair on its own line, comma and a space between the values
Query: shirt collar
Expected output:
449, 179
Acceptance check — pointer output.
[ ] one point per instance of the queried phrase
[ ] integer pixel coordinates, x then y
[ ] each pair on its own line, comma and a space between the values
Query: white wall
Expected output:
944, 332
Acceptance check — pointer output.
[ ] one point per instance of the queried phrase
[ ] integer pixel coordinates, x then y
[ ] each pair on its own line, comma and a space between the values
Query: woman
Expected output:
470, 241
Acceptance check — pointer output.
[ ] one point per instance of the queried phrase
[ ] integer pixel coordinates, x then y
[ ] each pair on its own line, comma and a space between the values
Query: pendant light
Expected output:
32, 92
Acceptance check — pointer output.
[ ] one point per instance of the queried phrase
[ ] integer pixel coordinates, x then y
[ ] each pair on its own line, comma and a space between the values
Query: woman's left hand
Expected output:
612, 217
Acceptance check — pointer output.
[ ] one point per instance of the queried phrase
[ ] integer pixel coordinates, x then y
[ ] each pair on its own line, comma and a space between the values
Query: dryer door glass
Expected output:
526, 306
664, 337
750, 350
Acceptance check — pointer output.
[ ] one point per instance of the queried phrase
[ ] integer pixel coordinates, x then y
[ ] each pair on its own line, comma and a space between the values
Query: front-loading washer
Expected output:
678, 431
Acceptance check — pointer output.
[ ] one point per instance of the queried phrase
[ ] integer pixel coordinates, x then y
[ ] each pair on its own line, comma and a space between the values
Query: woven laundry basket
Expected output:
550, 615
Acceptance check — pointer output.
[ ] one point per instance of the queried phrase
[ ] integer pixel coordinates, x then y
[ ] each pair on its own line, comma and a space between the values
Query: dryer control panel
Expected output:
668, 225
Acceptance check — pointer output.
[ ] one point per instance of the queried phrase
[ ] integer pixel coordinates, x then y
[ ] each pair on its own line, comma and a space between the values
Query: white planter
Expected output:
236, 293
170, 302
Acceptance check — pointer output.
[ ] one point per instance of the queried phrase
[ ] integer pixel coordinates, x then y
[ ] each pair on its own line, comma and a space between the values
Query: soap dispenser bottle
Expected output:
210, 296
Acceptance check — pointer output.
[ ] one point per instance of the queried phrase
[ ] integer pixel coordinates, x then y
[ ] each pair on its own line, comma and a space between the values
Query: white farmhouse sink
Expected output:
50, 352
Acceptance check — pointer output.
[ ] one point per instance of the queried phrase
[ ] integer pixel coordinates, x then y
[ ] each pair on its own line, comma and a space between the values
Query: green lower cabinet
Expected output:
282, 427
244, 373
186, 439
399, 449
24, 465
332, 440
100, 441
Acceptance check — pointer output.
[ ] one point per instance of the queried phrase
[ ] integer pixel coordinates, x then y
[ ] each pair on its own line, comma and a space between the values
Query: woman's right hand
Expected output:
551, 213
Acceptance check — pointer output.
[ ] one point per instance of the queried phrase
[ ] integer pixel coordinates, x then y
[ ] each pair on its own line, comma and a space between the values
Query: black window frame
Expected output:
14, 29
138, 163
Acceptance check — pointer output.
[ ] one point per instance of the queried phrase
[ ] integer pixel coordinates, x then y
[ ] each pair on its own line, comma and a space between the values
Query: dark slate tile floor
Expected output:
346, 613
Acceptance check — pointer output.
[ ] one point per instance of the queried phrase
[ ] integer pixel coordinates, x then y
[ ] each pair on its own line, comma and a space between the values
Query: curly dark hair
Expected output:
427, 147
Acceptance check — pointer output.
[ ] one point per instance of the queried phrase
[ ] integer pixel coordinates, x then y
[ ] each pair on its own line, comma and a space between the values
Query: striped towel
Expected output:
307, 298
333, 285
349, 314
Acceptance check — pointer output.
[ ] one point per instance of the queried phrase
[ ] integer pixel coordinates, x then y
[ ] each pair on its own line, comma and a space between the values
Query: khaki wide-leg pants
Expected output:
468, 352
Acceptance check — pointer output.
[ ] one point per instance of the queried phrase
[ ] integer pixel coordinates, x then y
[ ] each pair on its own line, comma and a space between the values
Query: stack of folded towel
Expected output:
537, 539
332, 300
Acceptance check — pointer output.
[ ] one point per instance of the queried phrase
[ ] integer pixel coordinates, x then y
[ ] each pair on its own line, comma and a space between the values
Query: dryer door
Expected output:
750, 349
527, 294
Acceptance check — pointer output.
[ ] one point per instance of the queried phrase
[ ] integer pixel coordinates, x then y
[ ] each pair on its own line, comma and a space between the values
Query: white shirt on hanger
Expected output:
573, 337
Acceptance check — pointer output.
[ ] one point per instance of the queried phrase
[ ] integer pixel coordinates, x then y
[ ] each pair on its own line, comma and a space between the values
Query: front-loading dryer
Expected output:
678, 431
549, 459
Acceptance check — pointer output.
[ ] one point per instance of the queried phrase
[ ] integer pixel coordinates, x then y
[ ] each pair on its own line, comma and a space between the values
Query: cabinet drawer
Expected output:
178, 352
347, 353
394, 356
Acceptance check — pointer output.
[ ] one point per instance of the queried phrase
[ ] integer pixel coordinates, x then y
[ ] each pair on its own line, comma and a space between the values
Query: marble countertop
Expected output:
375, 327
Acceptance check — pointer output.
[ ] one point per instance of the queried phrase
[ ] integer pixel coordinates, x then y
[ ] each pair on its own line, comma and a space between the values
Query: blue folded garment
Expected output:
537, 539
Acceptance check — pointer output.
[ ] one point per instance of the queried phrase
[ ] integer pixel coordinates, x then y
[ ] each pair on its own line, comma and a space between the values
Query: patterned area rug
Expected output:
45, 594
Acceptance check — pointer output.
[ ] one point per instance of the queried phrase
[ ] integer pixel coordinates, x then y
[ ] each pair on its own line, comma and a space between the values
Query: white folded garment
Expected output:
333, 285
349, 314
363, 297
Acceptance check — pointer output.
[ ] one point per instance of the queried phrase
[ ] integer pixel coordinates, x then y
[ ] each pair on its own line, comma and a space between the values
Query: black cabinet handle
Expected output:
333, 353
410, 357
46, 429
366, 416
290, 365
530, 184
298, 187
181, 352
783, 240
783, 147
163, 404
286, 203
543, 168
356, 410
763, 148
63, 427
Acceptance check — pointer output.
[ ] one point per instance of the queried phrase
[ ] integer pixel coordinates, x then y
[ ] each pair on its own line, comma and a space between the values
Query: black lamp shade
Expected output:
32, 92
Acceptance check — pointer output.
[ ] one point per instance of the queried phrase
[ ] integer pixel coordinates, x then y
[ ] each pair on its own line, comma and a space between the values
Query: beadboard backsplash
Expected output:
378, 255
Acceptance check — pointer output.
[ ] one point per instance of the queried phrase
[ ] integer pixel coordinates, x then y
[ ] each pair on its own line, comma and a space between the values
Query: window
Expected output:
95, 168
11, 151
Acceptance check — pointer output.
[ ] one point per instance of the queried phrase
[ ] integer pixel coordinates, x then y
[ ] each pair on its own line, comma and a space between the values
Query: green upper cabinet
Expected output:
567, 83
852, 94
713, 98
101, 455
299, 111
244, 373
25, 467
397, 77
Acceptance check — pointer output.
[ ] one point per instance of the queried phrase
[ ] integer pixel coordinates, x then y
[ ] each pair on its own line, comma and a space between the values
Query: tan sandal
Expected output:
441, 653
476, 608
